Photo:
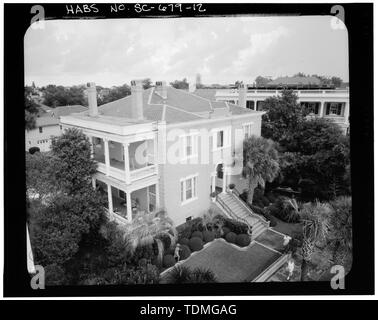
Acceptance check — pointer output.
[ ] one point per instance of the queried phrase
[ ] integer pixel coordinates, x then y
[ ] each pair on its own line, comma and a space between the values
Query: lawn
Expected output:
272, 240
231, 264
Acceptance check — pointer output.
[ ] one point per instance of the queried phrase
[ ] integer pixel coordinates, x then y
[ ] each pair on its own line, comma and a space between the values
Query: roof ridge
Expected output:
196, 96
188, 112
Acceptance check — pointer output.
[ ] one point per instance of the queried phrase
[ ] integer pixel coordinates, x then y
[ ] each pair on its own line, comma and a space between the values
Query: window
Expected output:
40, 129
188, 188
189, 145
60, 127
247, 130
334, 108
122, 194
221, 138
251, 104
312, 107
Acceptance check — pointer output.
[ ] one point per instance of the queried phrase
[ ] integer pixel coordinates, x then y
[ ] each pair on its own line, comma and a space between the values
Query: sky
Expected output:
222, 50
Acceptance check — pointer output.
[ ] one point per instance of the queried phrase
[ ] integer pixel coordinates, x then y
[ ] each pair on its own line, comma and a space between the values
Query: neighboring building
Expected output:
47, 126
164, 148
331, 104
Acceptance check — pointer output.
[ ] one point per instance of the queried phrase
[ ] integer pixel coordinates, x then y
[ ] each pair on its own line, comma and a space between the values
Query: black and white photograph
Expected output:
167, 145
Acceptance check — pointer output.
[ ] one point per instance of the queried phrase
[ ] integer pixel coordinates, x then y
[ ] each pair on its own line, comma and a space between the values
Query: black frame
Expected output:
359, 22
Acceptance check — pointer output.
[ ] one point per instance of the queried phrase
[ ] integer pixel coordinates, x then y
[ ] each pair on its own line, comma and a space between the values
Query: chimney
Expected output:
92, 99
192, 87
161, 89
137, 99
242, 95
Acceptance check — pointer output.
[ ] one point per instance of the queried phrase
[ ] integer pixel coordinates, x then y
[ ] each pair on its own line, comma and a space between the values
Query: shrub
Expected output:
197, 234
184, 241
195, 244
243, 240
225, 231
208, 236
55, 275
236, 226
168, 261
182, 274
165, 239
231, 186
284, 210
231, 237
184, 252
33, 150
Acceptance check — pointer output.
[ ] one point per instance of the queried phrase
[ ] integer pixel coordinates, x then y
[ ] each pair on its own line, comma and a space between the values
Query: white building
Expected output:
47, 126
331, 104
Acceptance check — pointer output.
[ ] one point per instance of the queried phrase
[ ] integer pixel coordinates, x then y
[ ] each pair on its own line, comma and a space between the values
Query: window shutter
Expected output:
327, 108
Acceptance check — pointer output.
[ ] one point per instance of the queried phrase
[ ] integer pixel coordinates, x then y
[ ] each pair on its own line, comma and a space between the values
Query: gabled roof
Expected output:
51, 117
179, 106
206, 93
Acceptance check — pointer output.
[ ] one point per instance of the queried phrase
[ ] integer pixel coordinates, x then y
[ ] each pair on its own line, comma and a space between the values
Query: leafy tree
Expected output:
147, 83
115, 93
76, 166
260, 163
262, 81
55, 275
180, 84
56, 231
40, 175
31, 110
316, 225
282, 118
54, 96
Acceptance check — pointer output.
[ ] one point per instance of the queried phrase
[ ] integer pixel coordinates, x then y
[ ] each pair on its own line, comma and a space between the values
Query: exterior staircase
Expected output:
236, 209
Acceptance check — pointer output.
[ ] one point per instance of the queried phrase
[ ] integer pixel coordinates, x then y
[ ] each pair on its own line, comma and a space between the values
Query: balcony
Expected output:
127, 162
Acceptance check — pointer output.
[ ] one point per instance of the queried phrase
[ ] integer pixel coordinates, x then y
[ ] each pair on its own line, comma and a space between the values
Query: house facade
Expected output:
332, 104
164, 148
48, 126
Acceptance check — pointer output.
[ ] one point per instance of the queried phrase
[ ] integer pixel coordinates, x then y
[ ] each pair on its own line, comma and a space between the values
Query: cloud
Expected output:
223, 50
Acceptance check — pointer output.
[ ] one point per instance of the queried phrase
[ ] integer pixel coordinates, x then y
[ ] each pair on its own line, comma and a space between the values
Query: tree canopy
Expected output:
31, 109
180, 84
55, 96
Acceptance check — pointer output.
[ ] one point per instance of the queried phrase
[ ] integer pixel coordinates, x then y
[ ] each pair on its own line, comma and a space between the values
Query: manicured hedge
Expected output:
197, 234
225, 231
184, 241
184, 252
208, 236
243, 240
231, 237
195, 244
168, 261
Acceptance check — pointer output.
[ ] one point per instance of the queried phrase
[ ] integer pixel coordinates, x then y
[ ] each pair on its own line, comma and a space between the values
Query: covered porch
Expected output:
123, 205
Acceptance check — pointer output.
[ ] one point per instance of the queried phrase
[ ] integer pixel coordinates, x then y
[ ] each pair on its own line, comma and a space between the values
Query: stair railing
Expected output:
236, 195
231, 213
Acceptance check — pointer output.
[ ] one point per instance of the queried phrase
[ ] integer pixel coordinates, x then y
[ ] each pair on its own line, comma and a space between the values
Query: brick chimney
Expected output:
242, 95
161, 89
137, 99
92, 99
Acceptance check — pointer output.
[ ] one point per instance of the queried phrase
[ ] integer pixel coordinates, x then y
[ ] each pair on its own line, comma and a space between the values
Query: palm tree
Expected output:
341, 224
145, 229
183, 274
260, 163
316, 225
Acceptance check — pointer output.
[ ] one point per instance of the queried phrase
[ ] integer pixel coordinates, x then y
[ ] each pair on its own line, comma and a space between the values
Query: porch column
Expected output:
155, 153
91, 144
127, 162
94, 183
224, 187
346, 112
213, 175
110, 199
128, 207
107, 159
321, 110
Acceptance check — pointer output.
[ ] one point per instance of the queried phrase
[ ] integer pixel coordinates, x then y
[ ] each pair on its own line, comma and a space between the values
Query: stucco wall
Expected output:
33, 138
